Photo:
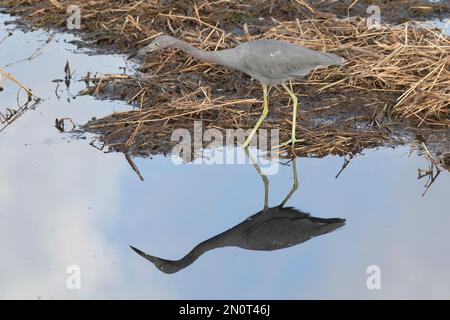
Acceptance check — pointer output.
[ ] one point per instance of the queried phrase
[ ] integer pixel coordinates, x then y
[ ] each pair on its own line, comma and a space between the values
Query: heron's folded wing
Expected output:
280, 61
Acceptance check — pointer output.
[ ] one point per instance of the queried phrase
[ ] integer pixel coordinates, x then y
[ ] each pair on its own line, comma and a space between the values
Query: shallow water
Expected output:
64, 203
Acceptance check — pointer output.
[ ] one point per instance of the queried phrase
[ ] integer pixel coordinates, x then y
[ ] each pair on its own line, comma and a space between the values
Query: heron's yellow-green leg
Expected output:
263, 177
261, 119
295, 186
293, 139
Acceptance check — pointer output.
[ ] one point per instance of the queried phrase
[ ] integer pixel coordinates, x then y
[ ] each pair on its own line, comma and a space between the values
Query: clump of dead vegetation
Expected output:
394, 74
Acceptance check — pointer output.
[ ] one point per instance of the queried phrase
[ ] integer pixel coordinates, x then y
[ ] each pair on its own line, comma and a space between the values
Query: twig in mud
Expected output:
133, 166
57, 4
303, 3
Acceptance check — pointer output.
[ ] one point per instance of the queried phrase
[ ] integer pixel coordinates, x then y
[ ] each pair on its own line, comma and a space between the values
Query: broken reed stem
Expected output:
9, 76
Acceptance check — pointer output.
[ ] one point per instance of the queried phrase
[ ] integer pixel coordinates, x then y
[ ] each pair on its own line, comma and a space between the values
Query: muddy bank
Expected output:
396, 77
391, 11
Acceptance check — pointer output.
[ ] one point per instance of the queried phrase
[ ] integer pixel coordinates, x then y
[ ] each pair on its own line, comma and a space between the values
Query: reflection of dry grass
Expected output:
12, 114
393, 73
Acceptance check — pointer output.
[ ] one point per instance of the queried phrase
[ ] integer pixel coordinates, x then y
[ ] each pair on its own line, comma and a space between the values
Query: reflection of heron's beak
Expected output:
162, 264
142, 254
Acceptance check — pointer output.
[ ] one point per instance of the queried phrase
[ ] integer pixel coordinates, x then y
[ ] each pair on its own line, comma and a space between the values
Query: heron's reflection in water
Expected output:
270, 229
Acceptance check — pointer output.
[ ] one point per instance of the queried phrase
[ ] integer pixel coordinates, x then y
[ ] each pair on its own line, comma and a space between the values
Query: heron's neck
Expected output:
207, 56
217, 241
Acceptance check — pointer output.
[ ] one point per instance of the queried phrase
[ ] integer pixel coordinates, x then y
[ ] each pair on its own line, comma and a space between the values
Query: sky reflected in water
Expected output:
63, 202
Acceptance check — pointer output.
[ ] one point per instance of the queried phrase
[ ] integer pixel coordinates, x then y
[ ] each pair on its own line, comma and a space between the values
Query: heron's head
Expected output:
160, 42
163, 265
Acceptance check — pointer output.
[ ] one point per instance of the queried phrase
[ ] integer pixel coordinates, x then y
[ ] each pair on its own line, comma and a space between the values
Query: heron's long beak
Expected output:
133, 55
143, 51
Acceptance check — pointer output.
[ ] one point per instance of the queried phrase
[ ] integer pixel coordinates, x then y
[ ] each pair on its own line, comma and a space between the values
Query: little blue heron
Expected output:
271, 62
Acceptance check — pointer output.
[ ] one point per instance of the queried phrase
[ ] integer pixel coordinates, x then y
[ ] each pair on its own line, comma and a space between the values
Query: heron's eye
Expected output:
156, 44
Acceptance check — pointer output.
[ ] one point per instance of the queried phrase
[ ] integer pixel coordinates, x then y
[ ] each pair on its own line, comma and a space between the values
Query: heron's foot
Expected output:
245, 144
291, 142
